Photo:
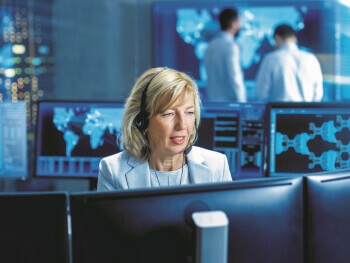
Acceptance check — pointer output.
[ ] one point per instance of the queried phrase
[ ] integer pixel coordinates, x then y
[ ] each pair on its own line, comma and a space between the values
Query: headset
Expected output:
141, 119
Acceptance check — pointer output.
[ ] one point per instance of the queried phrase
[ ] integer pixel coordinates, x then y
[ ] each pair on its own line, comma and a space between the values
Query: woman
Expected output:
160, 125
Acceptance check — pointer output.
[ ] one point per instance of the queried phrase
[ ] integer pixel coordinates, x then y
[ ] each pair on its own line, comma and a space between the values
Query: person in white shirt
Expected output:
221, 60
289, 73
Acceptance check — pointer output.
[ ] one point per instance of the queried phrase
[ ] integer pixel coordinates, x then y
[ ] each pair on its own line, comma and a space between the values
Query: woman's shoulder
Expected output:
216, 162
119, 161
116, 165
112, 171
206, 153
116, 157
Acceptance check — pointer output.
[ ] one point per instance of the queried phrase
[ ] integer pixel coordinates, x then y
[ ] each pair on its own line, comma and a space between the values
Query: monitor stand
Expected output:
211, 236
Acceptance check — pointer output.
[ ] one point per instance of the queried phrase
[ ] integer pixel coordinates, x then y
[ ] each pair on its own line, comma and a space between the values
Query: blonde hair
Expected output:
162, 92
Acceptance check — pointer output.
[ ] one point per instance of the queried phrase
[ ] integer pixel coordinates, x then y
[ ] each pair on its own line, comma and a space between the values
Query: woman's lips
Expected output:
178, 140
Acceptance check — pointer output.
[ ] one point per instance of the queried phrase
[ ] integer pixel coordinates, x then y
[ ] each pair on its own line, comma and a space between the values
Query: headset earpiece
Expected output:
141, 119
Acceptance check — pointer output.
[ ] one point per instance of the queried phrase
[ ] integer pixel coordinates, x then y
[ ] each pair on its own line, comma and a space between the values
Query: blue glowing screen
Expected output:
343, 49
72, 137
309, 139
182, 31
13, 140
237, 130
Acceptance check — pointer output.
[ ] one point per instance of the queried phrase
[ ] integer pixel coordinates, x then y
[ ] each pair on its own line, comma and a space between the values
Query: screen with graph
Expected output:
237, 131
72, 137
306, 138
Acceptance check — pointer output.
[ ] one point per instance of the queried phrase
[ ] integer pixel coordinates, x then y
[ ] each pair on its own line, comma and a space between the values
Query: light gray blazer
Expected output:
122, 171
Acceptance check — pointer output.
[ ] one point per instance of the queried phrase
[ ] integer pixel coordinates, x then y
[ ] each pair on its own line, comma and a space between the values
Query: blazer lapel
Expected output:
139, 175
199, 171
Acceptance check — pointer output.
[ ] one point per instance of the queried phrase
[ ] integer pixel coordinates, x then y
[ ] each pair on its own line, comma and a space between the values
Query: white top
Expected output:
225, 77
290, 74
170, 178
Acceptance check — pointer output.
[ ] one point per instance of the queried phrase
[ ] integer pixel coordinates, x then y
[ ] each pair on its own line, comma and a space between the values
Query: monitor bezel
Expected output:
192, 188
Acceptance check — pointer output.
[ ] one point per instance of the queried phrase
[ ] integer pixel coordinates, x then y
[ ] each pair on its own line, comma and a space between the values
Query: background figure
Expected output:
160, 126
221, 60
288, 73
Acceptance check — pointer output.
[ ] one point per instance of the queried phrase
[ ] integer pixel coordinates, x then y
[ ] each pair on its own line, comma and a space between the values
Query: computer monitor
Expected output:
265, 222
73, 136
13, 140
237, 130
33, 228
328, 217
307, 137
186, 28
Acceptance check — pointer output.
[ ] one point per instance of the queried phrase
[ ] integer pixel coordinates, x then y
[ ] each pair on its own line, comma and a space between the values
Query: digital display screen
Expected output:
186, 28
307, 139
72, 137
13, 140
237, 130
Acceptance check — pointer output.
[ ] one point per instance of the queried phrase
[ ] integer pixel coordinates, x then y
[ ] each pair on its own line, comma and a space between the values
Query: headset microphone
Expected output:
195, 138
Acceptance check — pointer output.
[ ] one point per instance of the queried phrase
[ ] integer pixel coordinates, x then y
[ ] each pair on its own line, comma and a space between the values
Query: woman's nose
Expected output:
181, 123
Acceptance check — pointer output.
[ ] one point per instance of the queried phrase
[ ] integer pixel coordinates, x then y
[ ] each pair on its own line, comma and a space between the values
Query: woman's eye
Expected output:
167, 114
190, 112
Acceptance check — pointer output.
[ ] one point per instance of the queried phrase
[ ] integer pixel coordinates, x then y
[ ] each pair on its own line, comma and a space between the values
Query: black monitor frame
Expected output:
266, 217
34, 227
328, 215
92, 179
290, 106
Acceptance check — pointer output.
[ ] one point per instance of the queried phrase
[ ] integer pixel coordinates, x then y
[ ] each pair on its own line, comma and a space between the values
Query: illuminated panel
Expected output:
309, 139
13, 140
187, 27
237, 131
72, 137
26, 53
342, 27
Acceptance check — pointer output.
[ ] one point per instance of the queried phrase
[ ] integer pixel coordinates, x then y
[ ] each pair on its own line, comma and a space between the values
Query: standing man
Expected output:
221, 60
288, 73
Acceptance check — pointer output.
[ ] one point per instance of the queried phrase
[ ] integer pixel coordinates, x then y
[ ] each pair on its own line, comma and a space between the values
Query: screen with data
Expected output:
187, 27
237, 130
13, 140
306, 138
72, 137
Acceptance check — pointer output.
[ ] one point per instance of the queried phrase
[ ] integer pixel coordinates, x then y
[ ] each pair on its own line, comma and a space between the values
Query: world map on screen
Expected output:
198, 27
94, 122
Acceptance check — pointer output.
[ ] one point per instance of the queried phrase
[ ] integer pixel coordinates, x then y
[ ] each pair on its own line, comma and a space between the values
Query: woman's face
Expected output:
168, 132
